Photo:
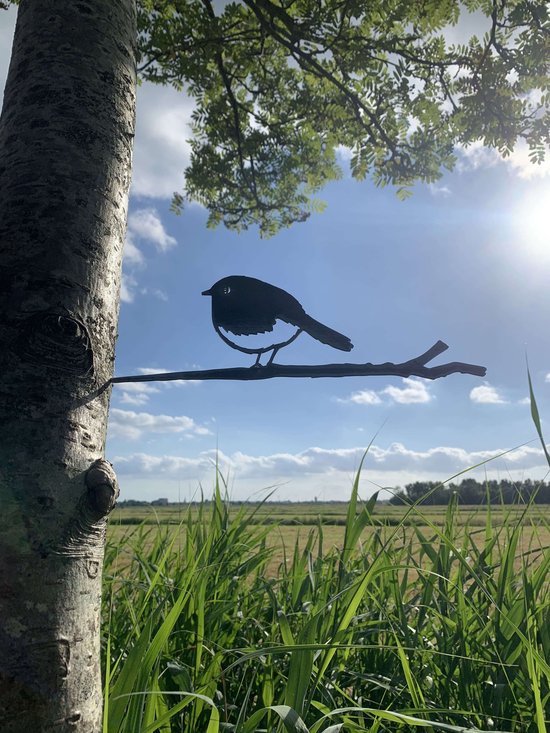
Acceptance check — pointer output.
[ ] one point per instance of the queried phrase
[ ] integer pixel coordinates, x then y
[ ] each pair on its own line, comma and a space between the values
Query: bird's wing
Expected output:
248, 326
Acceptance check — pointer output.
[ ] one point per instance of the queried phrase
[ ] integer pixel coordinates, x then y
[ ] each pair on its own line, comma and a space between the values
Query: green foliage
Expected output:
437, 627
279, 86
536, 417
470, 491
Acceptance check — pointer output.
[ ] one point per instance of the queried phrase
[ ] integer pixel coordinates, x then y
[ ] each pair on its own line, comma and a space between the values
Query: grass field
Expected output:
265, 618
292, 522
308, 513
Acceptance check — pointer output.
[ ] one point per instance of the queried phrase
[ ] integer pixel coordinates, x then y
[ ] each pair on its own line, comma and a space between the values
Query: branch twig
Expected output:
413, 368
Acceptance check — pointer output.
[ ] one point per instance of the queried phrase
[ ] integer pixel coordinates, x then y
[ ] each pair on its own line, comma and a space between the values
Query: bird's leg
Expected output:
276, 347
275, 350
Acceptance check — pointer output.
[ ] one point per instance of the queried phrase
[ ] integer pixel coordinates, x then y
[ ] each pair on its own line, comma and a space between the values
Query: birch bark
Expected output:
66, 135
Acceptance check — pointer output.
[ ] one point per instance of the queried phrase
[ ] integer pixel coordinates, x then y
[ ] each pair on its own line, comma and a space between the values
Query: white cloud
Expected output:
135, 393
174, 382
140, 463
328, 464
344, 154
132, 425
136, 400
521, 164
161, 151
547, 377
155, 293
487, 395
363, 397
414, 391
313, 460
439, 191
138, 393
152, 370
441, 459
146, 224
476, 156
132, 255
127, 288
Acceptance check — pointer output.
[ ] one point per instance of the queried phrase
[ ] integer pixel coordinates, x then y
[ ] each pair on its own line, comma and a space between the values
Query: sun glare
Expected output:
532, 221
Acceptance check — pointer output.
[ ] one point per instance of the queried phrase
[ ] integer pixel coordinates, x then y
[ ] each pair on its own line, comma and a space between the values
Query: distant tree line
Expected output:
470, 491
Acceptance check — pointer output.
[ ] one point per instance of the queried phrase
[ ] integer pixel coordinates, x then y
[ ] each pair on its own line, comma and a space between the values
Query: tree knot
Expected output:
102, 486
56, 340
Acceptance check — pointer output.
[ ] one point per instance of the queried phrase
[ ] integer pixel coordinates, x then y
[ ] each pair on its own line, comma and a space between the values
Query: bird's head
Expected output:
223, 288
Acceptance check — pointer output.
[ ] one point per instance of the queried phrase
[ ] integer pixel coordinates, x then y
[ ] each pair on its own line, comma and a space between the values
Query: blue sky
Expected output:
466, 261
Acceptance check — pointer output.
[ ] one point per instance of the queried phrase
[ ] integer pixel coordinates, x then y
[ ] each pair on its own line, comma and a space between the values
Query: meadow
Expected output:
326, 618
292, 522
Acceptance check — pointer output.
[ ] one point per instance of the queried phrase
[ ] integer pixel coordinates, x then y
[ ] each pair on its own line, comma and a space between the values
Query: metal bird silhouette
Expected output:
246, 306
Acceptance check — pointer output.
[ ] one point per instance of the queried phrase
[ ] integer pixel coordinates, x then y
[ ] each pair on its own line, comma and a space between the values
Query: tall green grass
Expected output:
428, 627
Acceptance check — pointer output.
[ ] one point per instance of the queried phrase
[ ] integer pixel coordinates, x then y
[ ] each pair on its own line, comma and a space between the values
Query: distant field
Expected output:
333, 513
293, 522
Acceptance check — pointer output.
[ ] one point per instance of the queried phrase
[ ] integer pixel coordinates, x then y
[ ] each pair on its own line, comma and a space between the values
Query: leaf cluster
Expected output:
280, 87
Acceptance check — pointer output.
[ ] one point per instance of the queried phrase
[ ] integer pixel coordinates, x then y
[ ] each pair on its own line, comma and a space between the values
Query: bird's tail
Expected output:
325, 334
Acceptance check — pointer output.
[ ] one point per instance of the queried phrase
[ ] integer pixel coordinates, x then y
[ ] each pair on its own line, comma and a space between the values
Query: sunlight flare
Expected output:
532, 218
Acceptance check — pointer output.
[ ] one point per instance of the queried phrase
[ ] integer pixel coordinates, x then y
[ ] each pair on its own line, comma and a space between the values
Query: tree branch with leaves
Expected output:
300, 79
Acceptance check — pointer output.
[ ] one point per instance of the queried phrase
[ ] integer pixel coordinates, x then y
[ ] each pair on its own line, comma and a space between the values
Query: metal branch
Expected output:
413, 368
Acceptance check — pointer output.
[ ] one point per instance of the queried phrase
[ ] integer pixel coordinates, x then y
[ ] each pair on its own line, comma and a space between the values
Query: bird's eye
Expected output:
226, 290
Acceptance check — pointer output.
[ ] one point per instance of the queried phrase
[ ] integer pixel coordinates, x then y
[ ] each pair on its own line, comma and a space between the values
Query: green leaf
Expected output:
535, 416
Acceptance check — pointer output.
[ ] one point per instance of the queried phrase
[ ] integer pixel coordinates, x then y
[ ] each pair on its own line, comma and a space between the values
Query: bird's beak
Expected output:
207, 292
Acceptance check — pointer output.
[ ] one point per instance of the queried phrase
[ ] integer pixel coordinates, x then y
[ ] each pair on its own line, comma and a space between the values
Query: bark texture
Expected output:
66, 136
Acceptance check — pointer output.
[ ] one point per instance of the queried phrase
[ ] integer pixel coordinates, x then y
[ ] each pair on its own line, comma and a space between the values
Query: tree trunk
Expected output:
66, 136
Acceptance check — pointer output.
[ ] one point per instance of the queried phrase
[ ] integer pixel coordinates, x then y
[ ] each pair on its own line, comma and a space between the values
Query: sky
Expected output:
466, 260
